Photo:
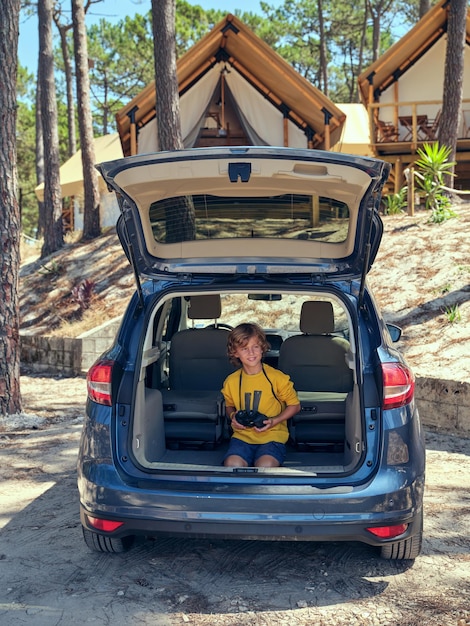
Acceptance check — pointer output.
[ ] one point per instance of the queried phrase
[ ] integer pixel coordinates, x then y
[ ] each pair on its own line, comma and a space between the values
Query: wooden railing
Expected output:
411, 122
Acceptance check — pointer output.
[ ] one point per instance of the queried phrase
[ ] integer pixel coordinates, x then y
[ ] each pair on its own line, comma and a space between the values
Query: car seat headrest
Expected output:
317, 318
204, 307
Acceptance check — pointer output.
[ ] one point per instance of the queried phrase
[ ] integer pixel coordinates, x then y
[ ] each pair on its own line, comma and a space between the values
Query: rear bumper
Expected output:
259, 516
256, 530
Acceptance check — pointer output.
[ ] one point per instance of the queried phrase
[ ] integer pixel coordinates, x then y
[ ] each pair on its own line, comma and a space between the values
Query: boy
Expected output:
274, 397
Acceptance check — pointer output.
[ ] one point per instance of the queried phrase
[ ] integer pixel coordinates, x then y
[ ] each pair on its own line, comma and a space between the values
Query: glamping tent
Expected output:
236, 90
107, 148
403, 90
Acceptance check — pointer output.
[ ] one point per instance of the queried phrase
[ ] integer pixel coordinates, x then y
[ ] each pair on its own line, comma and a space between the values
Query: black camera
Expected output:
250, 418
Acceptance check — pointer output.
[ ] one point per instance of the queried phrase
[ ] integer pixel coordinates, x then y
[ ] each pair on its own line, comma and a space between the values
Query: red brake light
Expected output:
399, 385
99, 382
106, 525
387, 532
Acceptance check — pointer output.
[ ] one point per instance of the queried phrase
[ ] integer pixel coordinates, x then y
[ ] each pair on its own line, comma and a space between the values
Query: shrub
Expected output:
432, 165
453, 313
82, 294
396, 202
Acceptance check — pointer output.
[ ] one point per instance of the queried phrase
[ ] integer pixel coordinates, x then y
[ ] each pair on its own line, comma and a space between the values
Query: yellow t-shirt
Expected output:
270, 380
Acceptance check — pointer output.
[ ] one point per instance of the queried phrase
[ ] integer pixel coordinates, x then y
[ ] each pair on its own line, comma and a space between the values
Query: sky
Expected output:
113, 11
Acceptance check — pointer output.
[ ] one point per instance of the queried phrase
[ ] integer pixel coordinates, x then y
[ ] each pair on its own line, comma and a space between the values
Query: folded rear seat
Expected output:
193, 416
321, 419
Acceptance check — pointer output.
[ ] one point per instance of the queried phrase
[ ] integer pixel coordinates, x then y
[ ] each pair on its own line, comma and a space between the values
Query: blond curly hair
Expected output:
241, 335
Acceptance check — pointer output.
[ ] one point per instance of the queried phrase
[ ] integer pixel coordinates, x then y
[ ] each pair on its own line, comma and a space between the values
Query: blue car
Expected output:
284, 238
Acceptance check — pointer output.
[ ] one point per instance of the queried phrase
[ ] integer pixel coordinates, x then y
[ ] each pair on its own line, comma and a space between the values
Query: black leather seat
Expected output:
316, 363
198, 365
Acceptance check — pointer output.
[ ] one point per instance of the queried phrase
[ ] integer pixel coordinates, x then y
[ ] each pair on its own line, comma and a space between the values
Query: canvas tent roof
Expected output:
404, 53
262, 85
107, 148
355, 135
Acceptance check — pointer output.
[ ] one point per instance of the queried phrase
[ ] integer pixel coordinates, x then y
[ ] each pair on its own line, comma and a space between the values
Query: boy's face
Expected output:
250, 355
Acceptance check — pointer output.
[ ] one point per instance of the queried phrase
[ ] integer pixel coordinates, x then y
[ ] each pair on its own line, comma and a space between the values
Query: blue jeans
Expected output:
251, 452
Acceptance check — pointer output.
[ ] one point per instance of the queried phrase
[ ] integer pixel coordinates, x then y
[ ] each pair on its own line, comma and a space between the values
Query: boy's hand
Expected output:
236, 425
268, 424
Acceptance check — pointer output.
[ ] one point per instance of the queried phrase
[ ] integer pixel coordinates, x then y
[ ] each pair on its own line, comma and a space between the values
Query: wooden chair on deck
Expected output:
387, 131
431, 127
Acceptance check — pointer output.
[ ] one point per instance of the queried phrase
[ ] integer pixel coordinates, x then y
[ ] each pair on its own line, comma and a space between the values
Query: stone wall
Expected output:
444, 405
67, 356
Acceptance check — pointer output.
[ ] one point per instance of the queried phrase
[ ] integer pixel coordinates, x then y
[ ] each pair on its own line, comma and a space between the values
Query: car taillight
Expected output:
399, 385
99, 382
105, 525
387, 532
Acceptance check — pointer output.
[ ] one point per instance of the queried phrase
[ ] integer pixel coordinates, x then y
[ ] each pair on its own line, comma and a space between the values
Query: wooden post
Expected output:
395, 108
411, 191
398, 175
327, 117
327, 137
133, 130
285, 121
315, 211
222, 96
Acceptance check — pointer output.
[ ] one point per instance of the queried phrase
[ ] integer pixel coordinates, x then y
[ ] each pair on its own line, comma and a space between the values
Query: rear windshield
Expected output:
287, 216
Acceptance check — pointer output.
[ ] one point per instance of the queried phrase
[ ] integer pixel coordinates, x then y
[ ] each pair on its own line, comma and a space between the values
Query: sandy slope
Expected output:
421, 275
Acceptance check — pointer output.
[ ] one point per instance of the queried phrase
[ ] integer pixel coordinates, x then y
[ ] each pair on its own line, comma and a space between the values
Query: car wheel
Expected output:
101, 543
407, 549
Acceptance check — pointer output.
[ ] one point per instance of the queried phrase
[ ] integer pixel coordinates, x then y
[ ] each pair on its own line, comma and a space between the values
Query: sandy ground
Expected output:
49, 577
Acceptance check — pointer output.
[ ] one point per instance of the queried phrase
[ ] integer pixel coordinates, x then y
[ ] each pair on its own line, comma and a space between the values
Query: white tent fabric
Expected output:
263, 117
262, 122
193, 106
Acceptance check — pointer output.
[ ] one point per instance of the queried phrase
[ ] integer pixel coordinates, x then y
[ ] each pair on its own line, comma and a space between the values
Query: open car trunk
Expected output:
179, 420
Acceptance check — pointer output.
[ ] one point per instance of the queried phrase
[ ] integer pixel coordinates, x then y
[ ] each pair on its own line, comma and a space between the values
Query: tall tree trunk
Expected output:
166, 82
53, 227
63, 28
10, 398
377, 9
39, 154
180, 225
375, 36
453, 80
360, 55
91, 211
323, 48
68, 69
105, 104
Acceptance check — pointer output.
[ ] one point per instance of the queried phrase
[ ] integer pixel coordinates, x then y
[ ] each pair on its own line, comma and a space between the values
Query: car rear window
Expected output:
287, 216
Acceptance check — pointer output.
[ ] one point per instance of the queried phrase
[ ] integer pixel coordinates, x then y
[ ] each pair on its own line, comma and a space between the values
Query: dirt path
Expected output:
49, 577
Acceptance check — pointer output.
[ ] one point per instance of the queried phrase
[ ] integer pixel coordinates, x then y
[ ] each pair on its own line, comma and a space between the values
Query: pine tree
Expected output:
10, 398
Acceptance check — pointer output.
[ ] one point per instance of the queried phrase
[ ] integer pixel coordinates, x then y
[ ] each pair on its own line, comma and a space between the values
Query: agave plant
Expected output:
395, 202
432, 165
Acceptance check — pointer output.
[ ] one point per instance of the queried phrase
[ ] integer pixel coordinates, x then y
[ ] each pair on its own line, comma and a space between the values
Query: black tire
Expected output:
101, 543
407, 549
